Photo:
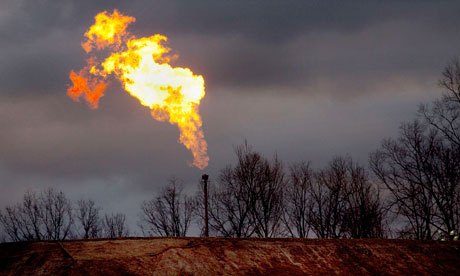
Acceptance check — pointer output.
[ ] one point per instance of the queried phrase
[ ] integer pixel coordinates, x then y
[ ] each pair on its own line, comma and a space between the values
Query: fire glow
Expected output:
142, 66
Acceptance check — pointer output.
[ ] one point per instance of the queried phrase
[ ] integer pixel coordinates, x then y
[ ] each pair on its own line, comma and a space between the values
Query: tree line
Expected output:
410, 189
258, 197
50, 215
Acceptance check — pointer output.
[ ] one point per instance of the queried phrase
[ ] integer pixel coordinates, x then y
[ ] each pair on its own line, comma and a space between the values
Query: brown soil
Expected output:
218, 256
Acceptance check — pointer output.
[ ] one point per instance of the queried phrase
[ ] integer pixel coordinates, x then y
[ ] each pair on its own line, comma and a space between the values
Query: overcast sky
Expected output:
308, 80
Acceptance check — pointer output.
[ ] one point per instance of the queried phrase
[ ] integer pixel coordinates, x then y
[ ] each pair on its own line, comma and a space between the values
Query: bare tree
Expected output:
13, 224
169, 214
342, 202
328, 194
396, 165
56, 214
236, 195
298, 201
47, 216
422, 172
248, 197
114, 226
50, 216
444, 114
364, 213
88, 217
268, 208
233, 201
23, 221
8, 221
30, 214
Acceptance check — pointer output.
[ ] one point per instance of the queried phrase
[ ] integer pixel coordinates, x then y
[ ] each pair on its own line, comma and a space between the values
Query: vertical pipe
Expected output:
205, 178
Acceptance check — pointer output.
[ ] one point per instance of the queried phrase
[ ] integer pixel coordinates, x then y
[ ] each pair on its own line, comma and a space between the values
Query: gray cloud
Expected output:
241, 44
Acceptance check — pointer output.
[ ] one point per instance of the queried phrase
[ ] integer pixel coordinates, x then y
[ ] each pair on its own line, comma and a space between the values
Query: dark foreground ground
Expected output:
218, 256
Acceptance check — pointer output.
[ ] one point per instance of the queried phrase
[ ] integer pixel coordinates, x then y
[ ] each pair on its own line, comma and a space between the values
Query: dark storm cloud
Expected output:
278, 21
236, 43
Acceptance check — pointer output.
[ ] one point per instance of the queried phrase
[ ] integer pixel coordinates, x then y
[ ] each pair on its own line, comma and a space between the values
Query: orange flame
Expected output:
172, 93
109, 29
85, 85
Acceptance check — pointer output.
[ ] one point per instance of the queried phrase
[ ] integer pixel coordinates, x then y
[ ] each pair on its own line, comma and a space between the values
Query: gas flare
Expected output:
142, 66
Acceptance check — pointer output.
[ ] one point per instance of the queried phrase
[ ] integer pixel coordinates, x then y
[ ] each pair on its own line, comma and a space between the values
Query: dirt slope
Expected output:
217, 256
